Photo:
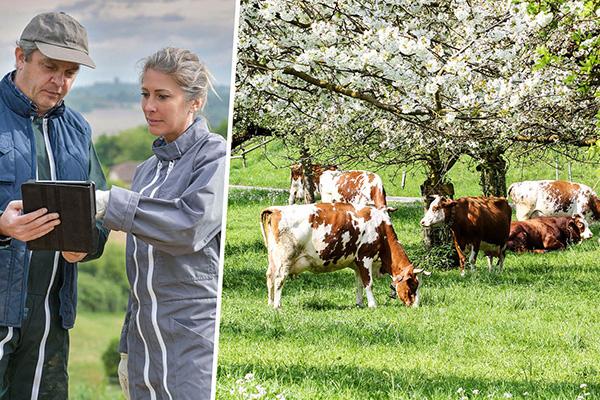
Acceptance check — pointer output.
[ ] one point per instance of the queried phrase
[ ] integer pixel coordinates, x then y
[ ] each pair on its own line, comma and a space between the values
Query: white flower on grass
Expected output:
249, 376
583, 386
280, 397
475, 392
507, 395
460, 390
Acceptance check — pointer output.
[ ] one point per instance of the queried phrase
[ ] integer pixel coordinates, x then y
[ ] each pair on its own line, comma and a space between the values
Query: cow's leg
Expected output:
473, 256
359, 288
364, 268
280, 274
461, 256
271, 279
501, 258
552, 243
270, 285
296, 191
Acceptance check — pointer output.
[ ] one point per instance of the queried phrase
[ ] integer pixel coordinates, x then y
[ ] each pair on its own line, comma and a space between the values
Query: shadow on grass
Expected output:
256, 246
360, 330
396, 381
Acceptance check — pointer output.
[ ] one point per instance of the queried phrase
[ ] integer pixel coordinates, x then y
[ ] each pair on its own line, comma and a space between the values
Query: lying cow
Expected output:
547, 233
297, 180
553, 198
476, 223
327, 237
356, 187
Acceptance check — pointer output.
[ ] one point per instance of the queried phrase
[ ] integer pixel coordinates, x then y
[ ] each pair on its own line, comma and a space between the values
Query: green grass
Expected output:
269, 169
89, 339
533, 329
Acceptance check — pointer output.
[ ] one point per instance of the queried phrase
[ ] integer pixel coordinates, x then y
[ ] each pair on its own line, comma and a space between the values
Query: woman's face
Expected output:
167, 112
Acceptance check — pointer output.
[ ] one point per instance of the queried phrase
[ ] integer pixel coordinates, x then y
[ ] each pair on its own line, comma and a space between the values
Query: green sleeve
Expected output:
96, 175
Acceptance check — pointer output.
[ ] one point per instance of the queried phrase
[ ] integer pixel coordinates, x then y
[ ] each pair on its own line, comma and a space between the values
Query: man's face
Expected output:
44, 80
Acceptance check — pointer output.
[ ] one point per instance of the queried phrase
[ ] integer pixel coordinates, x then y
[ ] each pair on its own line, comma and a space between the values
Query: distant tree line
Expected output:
134, 144
114, 94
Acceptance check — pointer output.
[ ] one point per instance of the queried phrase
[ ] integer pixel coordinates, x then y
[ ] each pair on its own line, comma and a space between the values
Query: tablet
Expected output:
75, 202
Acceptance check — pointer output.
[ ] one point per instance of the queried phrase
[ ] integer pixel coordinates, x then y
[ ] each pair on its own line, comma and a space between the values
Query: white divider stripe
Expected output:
135, 293
37, 378
9, 335
161, 342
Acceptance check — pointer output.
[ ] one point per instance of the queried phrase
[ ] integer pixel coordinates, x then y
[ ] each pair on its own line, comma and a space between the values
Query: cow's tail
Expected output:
265, 221
510, 188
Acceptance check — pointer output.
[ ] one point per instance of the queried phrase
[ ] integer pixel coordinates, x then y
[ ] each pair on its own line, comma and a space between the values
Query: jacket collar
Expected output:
21, 104
171, 151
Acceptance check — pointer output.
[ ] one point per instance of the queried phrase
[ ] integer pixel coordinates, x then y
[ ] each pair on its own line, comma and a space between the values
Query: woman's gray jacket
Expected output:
173, 217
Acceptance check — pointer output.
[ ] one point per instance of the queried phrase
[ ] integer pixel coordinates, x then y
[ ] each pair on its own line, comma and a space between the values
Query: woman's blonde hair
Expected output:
185, 68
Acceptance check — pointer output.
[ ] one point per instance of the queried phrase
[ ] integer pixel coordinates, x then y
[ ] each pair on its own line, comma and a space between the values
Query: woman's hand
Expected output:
102, 197
123, 376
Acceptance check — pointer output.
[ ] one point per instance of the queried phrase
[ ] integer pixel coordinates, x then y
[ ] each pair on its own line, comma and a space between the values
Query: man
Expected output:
40, 138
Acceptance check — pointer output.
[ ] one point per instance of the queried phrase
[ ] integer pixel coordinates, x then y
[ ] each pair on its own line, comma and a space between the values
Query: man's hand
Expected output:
26, 227
72, 256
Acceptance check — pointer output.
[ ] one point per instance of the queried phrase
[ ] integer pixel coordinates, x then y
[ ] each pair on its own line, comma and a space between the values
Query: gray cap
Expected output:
59, 36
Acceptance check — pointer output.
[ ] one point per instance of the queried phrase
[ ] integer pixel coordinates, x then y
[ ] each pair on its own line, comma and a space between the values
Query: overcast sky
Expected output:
122, 32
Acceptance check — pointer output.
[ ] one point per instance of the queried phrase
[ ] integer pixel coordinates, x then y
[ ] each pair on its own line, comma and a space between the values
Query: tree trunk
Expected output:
438, 240
435, 185
309, 181
492, 169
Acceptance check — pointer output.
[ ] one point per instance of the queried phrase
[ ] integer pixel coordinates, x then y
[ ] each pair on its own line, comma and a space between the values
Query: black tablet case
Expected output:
75, 202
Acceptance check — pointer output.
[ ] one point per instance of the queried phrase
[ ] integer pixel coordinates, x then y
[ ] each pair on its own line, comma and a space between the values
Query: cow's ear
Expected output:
573, 230
449, 203
391, 209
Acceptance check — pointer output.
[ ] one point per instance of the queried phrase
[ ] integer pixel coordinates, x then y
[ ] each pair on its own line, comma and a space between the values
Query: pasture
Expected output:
89, 339
532, 332
463, 175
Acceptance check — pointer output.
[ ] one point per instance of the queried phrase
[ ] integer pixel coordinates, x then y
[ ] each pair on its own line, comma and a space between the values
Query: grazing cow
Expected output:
297, 180
327, 237
356, 187
547, 233
475, 222
553, 198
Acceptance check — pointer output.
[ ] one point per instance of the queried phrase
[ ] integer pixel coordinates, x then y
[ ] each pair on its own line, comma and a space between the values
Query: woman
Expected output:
172, 215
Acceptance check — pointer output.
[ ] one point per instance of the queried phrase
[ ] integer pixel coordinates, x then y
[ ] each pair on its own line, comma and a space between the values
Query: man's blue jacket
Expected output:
71, 144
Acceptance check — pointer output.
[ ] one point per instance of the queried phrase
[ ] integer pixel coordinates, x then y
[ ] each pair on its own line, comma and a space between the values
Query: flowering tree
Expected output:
399, 81
569, 45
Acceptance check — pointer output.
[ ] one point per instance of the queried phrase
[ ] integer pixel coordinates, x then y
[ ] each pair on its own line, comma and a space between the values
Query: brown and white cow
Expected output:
356, 187
553, 198
547, 233
297, 180
476, 223
327, 237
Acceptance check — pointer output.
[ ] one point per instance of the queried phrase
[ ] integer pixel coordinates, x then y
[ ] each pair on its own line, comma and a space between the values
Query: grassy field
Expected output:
269, 169
532, 332
89, 339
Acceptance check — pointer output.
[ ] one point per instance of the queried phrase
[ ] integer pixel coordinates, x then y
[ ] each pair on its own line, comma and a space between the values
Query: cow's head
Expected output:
405, 286
595, 207
580, 228
437, 212
517, 242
